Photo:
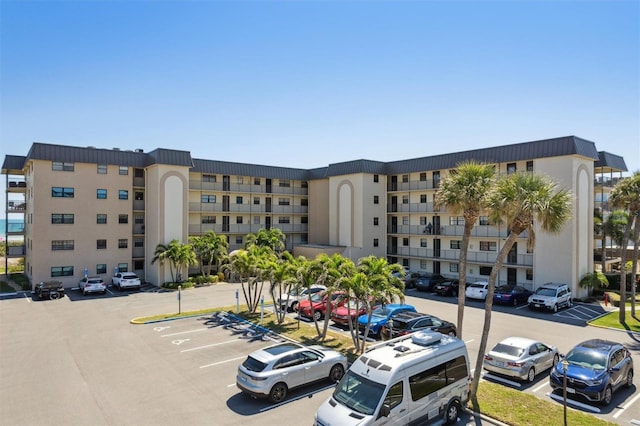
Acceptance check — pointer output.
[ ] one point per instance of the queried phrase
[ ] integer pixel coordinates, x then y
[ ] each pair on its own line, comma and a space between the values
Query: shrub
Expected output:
174, 286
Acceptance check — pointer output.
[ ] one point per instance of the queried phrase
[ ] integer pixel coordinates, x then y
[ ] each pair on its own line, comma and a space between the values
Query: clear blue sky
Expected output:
309, 83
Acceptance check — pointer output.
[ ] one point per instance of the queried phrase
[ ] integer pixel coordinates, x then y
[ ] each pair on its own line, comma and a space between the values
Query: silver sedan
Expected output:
521, 358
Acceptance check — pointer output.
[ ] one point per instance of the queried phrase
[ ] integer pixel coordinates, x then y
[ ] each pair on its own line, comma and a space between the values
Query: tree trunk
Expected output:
462, 272
622, 314
634, 262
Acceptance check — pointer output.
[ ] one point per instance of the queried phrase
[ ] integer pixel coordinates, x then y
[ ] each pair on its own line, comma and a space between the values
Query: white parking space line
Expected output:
538, 388
635, 422
209, 346
500, 379
185, 332
574, 402
28, 298
231, 385
625, 406
222, 362
588, 309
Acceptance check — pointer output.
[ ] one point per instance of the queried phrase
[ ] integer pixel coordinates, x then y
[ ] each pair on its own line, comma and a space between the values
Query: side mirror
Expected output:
385, 410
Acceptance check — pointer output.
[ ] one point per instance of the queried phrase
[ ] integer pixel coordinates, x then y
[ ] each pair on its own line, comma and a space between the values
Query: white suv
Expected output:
551, 296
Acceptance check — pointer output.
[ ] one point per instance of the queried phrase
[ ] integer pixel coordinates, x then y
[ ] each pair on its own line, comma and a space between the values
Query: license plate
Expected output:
536, 305
499, 363
571, 390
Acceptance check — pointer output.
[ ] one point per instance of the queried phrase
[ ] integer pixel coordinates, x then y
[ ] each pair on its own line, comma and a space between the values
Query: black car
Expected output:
408, 322
447, 288
50, 289
428, 281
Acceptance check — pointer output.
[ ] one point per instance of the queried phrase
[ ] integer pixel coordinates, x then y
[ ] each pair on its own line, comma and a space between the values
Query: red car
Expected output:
318, 306
341, 315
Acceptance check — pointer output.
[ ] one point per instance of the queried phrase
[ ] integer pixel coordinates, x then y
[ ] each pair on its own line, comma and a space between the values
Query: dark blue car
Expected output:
380, 317
595, 369
511, 295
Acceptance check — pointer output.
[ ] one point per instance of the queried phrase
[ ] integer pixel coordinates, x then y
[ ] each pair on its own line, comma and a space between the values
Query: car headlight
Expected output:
595, 382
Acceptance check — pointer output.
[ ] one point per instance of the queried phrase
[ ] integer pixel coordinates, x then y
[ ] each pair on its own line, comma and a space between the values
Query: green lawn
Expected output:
611, 320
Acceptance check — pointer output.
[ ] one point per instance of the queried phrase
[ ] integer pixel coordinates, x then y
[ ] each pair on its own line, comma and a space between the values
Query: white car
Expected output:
92, 285
123, 280
290, 300
477, 290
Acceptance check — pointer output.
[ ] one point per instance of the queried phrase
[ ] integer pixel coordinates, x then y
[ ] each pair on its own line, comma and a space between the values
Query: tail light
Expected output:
488, 358
515, 364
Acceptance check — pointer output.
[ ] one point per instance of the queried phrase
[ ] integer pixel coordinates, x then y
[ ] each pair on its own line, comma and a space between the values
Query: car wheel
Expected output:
54, 295
555, 308
336, 373
607, 396
294, 306
278, 392
84, 292
317, 315
531, 375
515, 301
556, 359
452, 333
452, 412
629, 382
569, 303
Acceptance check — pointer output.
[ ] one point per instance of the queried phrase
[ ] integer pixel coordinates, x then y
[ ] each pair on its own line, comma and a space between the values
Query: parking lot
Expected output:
88, 365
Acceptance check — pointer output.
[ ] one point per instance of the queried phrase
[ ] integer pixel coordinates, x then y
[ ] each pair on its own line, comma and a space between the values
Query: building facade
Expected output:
88, 211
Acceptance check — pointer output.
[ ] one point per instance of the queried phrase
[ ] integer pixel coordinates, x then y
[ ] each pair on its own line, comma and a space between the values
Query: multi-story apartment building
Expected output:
89, 210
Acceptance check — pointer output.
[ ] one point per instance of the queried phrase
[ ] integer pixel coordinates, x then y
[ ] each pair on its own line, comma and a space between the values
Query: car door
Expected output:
617, 370
398, 405
545, 357
422, 323
313, 368
291, 369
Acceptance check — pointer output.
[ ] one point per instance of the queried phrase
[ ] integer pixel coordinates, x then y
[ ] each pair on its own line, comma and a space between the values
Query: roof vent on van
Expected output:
426, 338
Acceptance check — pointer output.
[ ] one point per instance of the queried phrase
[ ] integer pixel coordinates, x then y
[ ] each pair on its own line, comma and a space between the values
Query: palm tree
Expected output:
210, 248
517, 200
251, 265
184, 257
329, 270
281, 274
272, 237
634, 263
464, 192
167, 252
595, 279
626, 195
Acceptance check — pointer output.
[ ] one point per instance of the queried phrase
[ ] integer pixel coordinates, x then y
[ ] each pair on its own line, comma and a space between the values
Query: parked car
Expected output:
447, 288
521, 358
50, 289
318, 306
511, 295
551, 297
92, 285
123, 280
271, 372
408, 322
350, 310
411, 278
595, 370
289, 301
477, 290
427, 282
381, 316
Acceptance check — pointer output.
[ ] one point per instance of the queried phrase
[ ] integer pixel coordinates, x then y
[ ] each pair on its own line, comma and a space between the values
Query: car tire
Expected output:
54, 295
336, 373
569, 303
531, 375
607, 396
278, 393
294, 305
452, 333
515, 301
555, 308
556, 360
629, 381
451, 413
317, 315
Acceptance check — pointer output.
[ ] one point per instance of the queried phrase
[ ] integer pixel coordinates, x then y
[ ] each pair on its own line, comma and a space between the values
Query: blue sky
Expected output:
309, 83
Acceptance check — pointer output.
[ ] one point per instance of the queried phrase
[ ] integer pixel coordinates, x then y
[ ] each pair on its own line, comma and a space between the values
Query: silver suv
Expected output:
551, 296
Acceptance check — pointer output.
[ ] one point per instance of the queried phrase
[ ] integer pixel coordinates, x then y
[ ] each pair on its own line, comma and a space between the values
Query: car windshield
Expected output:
587, 358
477, 285
504, 289
317, 297
382, 312
253, 364
358, 393
508, 350
545, 291
130, 276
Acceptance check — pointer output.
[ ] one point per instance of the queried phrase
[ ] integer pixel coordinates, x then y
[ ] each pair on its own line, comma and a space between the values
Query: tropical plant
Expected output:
329, 270
464, 191
250, 265
167, 253
626, 195
273, 238
519, 200
281, 274
595, 279
210, 249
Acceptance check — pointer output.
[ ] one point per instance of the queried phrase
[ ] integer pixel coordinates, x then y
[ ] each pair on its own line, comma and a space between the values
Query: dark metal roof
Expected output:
243, 169
608, 162
355, 166
169, 156
569, 145
13, 164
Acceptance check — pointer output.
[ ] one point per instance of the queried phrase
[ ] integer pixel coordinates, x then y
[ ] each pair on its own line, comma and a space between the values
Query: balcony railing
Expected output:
480, 257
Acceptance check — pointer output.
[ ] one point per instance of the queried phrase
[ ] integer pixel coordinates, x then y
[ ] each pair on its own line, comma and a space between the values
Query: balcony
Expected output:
413, 185
15, 228
16, 206
17, 186
412, 208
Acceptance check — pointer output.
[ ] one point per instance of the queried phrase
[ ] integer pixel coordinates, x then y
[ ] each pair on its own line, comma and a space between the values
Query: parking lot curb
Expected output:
485, 418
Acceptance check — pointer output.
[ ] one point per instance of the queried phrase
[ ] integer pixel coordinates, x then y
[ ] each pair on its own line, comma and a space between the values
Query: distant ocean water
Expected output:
3, 225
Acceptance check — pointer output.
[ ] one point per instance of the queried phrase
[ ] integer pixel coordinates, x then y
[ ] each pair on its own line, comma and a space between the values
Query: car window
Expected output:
619, 356
423, 323
394, 396
253, 364
542, 347
533, 350
288, 361
507, 349
308, 356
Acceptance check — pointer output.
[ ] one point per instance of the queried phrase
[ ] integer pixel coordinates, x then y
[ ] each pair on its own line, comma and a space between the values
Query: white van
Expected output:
409, 380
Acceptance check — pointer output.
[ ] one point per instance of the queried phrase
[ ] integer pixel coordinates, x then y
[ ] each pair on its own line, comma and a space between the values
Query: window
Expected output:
139, 173
62, 167
394, 396
423, 242
304, 202
138, 219
423, 198
239, 180
208, 219
284, 183
256, 181
485, 270
405, 242
511, 168
455, 244
530, 165
423, 177
139, 195
238, 200
483, 220
456, 220
375, 242
405, 199
62, 271
101, 244
433, 379
123, 267
405, 178
62, 245
102, 169
283, 219
376, 178
138, 264
405, 220
436, 179
423, 220
123, 243
239, 220
283, 201
59, 192
138, 242
238, 239
101, 219
488, 246
123, 194
256, 201
256, 220
376, 199
123, 170
123, 218
101, 268
529, 275
58, 218
208, 199
454, 267
101, 194
304, 219
209, 178
375, 221
423, 264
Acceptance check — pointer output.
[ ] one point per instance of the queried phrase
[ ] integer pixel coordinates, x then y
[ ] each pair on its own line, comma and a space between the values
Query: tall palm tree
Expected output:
626, 195
329, 270
464, 192
184, 257
210, 248
517, 200
167, 253
281, 274
272, 237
